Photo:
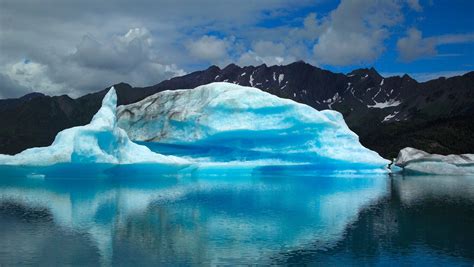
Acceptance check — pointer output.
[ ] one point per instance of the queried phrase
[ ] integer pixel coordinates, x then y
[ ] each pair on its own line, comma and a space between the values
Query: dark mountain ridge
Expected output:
388, 113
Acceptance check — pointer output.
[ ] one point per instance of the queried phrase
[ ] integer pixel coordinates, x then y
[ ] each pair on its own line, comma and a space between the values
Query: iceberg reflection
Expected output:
423, 221
198, 216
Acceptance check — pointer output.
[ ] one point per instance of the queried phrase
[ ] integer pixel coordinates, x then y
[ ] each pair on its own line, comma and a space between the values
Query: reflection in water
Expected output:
419, 190
198, 216
425, 220
247, 216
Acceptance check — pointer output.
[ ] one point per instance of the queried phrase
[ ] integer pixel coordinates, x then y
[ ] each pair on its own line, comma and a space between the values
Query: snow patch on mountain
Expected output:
333, 100
390, 116
386, 104
280, 78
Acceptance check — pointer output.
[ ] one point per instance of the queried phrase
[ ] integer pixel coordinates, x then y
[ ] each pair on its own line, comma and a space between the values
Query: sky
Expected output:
77, 47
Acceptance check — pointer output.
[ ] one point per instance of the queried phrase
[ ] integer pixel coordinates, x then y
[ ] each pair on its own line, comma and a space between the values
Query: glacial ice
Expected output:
417, 161
247, 121
101, 141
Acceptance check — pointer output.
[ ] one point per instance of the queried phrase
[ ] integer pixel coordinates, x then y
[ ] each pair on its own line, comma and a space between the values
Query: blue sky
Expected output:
436, 19
76, 47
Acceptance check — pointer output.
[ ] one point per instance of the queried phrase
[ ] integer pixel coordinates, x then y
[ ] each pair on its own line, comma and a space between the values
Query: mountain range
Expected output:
388, 113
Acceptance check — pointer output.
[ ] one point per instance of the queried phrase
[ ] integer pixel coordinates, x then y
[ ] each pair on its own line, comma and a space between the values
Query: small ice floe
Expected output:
420, 162
34, 175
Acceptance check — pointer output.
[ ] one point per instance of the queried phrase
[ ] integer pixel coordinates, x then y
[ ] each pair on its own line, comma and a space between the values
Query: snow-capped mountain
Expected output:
388, 113
361, 92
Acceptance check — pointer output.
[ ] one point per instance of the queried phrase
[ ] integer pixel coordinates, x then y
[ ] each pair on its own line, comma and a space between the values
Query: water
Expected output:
147, 215
235, 217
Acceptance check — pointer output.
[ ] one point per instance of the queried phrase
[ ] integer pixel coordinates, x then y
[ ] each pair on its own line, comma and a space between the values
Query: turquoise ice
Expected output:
246, 125
100, 141
218, 125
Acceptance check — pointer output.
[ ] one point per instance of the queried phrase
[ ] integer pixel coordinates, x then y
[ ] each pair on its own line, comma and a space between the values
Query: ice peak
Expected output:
105, 117
110, 99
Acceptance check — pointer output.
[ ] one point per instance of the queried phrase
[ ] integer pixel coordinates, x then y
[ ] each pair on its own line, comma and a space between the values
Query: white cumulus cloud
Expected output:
355, 31
32, 75
92, 65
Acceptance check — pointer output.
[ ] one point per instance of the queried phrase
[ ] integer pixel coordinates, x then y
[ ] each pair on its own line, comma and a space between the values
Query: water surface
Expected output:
143, 215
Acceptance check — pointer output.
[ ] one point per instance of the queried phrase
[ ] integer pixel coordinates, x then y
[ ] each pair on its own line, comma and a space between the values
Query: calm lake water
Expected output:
144, 216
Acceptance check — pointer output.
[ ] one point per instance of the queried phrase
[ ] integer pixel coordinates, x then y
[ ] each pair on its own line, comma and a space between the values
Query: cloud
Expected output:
130, 57
355, 31
454, 38
92, 65
31, 75
123, 54
251, 58
413, 46
311, 30
10, 88
84, 46
415, 5
209, 48
76, 47
266, 52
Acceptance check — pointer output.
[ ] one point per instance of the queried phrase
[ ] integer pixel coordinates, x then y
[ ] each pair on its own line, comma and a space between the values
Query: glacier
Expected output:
246, 124
100, 141
420, 162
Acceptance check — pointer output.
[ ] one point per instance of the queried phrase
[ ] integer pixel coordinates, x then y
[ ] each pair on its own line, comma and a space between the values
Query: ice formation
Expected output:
417, 161
248, 121
101, 141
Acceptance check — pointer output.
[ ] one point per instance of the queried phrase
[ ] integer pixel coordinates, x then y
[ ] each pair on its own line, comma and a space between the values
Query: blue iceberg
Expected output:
218, 124
100, 141
245, 125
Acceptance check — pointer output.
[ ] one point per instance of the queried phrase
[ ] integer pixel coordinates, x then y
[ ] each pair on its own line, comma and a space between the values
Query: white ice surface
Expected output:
418, 161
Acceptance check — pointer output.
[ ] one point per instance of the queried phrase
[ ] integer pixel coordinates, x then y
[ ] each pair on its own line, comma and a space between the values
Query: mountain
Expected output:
6, 104
388, 113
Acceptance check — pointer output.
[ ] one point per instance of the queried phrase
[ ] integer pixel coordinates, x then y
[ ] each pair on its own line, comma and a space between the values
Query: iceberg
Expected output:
417, 161
100, 141
246, 121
